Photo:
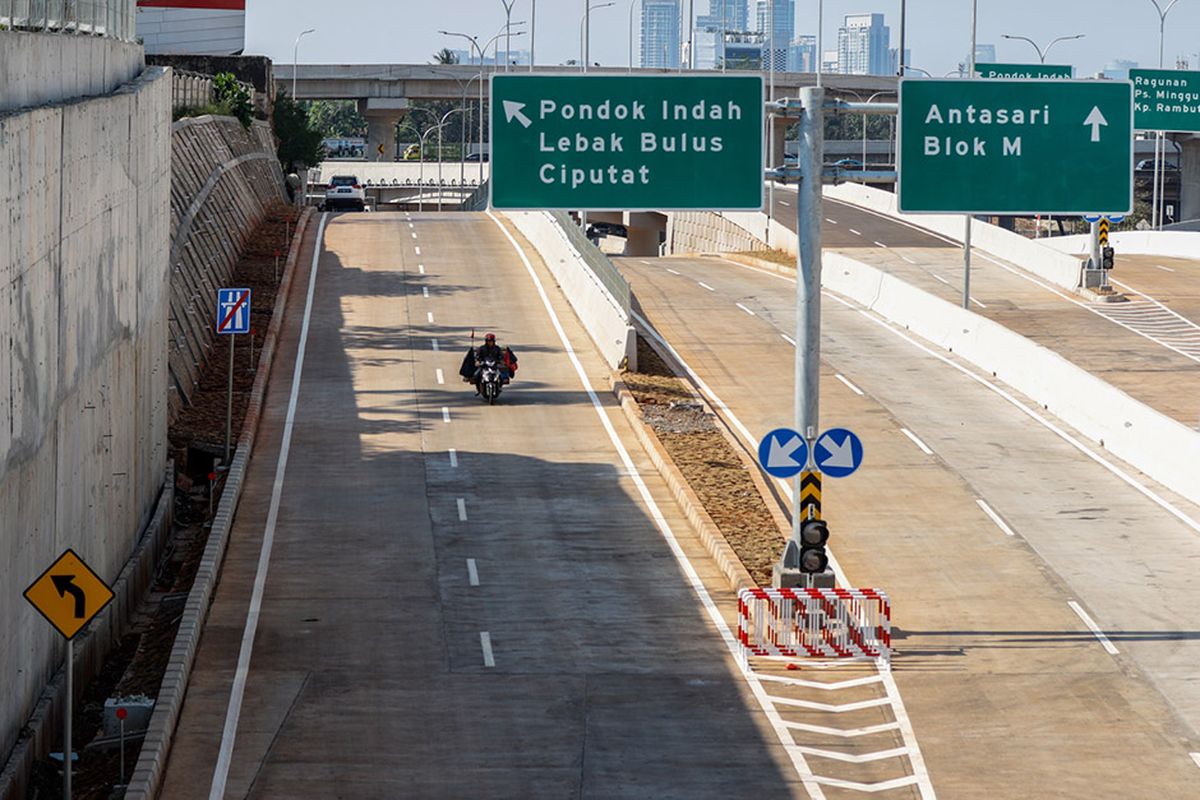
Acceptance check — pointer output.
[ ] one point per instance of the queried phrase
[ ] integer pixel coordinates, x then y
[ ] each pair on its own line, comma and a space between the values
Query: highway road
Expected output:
1002, 538
425, 596
1148, 347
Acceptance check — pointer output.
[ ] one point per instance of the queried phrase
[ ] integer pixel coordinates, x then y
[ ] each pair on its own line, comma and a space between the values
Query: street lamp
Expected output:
585, 30
296, 56
508, 7
1043, 53
1159, 150
632, 3
481, 51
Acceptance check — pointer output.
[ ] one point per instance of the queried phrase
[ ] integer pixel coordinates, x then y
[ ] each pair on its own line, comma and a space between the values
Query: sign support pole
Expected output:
229, 400
966, 301
67, 715
808, 285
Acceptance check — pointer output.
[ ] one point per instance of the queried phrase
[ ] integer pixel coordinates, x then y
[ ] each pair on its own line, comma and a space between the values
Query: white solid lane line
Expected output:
994, 517
462, 510
441, 376
841, 378
445, 414
472, 572
924, 447
743, 308
693, 579
856, 233
1166, 269
242, 673
453, 457
485, 644
1093, 627
673, 272
706, 286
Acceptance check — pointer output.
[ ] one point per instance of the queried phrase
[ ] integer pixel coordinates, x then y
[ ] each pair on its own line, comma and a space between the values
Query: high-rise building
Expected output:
802, 55
660, 34
709, 28
776, 21
863, 44
744, 51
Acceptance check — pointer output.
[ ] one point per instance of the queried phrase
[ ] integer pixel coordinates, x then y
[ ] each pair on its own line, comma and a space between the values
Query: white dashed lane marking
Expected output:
706, 286
462, 509
924, 447
453, 457
994, 517
1094, 628
472, 572
441, 377
743, 308
445, 414
485, 644
844, 380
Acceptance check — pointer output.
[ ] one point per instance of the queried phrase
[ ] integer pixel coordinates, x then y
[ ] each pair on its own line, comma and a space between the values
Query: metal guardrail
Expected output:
478, 199
596, 261
115, 19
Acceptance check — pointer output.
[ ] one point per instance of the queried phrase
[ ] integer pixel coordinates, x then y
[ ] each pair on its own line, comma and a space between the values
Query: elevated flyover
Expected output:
996, 530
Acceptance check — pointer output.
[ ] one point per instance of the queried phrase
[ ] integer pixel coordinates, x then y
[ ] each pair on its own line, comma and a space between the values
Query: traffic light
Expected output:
813, 535
1107, 256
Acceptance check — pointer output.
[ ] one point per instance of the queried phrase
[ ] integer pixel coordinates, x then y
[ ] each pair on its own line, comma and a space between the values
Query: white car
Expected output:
345, 191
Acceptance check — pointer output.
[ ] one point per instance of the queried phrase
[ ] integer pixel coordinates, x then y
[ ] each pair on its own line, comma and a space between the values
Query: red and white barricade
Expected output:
814, 623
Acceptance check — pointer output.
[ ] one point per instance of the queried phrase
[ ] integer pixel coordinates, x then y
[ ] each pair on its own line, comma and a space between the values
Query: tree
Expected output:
445, 56
233, 97
299, 141
336, 119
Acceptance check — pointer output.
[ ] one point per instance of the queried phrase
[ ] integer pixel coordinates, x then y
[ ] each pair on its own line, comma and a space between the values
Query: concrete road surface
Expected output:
461, 600
1001, 538
1148, 347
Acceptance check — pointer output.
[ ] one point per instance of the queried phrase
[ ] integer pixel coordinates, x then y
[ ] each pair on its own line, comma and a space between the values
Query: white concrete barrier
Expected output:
1169, 244
1161, 447
1029, 254
603, 315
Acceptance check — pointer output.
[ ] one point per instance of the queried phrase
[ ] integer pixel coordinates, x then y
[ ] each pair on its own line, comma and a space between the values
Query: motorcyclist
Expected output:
489, 350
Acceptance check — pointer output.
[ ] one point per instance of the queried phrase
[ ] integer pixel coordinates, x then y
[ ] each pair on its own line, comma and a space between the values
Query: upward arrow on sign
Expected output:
1095, 119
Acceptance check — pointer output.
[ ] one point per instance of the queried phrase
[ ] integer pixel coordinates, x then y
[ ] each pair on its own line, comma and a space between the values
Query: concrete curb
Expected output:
156, 748
714, 541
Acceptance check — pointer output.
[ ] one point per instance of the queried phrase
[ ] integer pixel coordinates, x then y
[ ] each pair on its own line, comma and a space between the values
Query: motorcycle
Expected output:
491, 380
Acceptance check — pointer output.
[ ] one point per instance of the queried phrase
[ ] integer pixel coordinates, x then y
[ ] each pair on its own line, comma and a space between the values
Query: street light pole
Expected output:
903, 20
1159, 149
585, 31
508, 7
532, 30
632, 3
1043, 53
966, 292
296, 57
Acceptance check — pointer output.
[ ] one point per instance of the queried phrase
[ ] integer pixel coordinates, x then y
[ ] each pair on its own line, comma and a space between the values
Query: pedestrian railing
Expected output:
116, 19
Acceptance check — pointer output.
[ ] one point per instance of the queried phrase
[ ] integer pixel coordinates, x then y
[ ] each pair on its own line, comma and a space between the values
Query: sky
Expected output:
938, 36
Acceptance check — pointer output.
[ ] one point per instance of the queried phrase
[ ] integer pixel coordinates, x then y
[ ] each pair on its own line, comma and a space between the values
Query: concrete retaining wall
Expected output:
601, 314
1029, 254
224, 179
704, 232
83, 343
41, 68
1169, 244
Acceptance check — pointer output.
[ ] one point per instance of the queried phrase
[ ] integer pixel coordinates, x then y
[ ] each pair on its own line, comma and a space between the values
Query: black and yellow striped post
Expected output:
1104, 231
810, 494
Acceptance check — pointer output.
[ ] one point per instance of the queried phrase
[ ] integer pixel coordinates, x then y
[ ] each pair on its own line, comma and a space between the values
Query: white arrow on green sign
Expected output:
1015, 146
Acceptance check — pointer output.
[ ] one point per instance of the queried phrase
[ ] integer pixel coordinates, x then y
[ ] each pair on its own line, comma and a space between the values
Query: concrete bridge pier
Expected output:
646, 229
383, 114
1189, 178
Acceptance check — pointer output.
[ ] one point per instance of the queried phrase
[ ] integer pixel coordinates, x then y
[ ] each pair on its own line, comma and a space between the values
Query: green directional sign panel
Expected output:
609, 142
1166, 100
1015, 146
1025, 71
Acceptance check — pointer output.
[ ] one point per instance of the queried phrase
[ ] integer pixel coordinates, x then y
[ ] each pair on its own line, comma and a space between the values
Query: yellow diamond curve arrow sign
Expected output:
69, 594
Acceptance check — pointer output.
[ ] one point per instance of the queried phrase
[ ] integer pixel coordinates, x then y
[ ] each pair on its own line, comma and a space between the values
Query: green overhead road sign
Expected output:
627, 142
1166, 100
1015, 147
993, 71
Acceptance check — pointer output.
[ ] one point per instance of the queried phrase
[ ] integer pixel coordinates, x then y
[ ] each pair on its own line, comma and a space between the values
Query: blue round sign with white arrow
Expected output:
838, 452
1091, 218
783, 453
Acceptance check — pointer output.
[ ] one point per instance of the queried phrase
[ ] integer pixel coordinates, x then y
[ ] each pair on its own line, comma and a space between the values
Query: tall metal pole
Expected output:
691, 43
68, 712
966, 293
632, 3
508, 7
724, 32
903, 20
820, 38
532, 32
229, 401
587, 31
1159, 149
296, 57
771, 122
808, 286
